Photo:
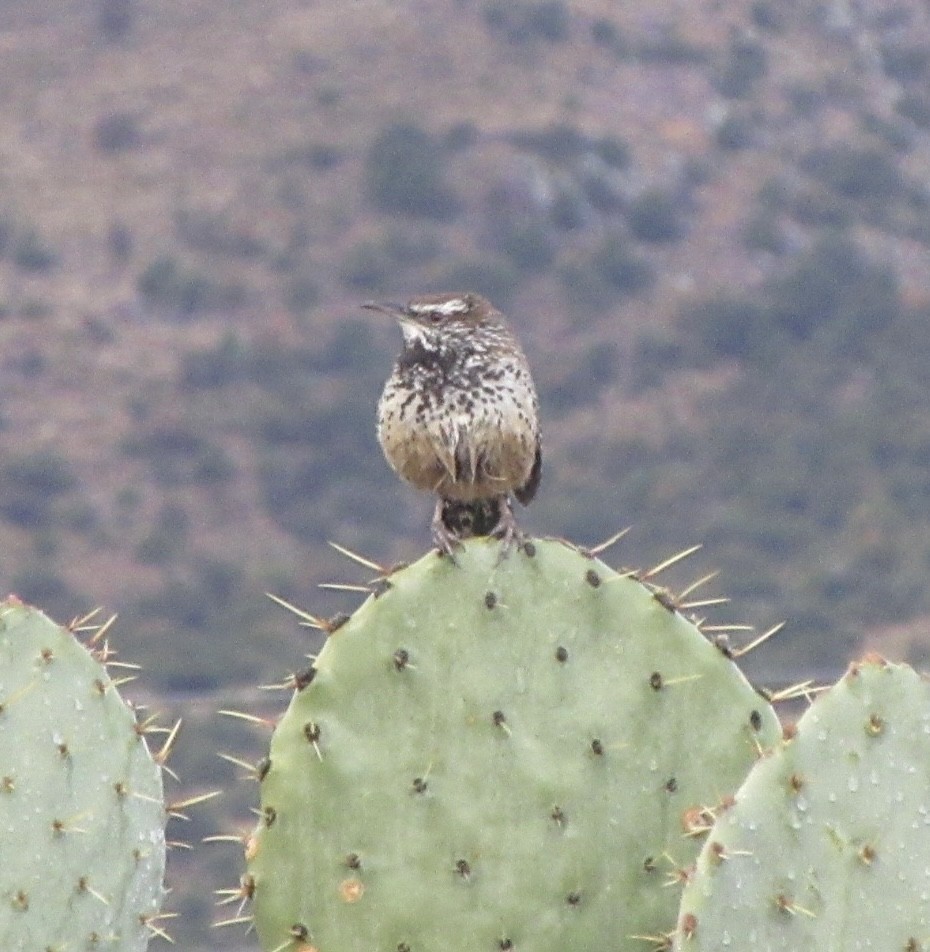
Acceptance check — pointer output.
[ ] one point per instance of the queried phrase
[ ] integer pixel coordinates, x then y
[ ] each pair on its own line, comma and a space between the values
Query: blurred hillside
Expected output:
709, 222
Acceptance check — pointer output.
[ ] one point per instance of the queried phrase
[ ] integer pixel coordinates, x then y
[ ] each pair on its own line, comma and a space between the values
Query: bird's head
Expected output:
432, 321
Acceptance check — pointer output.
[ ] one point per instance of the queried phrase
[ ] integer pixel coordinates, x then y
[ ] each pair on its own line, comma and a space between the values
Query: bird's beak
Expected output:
395, 310
409, 326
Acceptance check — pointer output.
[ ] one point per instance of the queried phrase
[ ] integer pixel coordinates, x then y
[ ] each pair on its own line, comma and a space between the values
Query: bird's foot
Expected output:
445, 539
507, 529
454, 521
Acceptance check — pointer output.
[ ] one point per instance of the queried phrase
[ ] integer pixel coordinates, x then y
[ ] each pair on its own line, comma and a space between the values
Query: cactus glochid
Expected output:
82, 816
498, 754
827, 843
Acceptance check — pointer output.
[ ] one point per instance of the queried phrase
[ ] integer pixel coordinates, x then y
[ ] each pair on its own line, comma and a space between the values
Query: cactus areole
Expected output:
497, 755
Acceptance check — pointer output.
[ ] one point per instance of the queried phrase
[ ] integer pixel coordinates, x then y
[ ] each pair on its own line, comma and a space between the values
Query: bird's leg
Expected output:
444, 538
507, 529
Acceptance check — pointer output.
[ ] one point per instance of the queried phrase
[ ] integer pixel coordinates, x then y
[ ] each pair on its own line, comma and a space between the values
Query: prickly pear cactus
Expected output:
81, 813
827, 845
497, 755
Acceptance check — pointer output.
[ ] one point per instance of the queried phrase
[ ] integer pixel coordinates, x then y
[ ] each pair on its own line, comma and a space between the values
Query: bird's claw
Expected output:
507, 530
445, 540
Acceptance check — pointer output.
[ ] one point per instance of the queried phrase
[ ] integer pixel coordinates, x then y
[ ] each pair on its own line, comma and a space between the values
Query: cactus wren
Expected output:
459, 415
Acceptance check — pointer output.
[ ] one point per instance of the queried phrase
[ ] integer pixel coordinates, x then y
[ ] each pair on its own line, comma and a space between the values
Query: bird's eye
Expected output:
435, 317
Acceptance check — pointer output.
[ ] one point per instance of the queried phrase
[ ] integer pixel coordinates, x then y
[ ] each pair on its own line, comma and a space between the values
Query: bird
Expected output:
459, 416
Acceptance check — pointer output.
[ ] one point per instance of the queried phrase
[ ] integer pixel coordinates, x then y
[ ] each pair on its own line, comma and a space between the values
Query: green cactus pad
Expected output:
827, 845
497, 755
81, 812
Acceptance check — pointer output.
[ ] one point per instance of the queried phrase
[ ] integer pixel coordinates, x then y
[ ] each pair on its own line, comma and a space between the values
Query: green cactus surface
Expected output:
82, 819
827, 845
498, 754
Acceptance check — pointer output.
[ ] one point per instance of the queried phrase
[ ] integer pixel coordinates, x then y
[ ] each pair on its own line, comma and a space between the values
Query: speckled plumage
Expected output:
459, 414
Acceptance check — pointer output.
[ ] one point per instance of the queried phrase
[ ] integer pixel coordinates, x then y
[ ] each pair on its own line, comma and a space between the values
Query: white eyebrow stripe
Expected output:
452, 306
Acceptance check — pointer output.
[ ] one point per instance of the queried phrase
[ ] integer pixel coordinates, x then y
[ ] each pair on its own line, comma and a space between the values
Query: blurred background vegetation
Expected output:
709, 223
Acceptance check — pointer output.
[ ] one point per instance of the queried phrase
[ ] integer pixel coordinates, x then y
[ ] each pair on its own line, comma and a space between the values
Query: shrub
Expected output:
30, 484
328, 96
655, 216
7, 232
775, 194
735, 132
32, 253
904, 63
116, 132
559, 142
495, 279
213, 466
746, 63
302, 295
166, 282
220, 578
548, 19
217, 234
128, 499
806, 99
529, 246
915, 107
78, 516
614, 151
854, 172
120, 242
670, 48
763, 233
366, 266
167, 538
172, 284
407, 246
378, 263
522, 21
405, 173
726, 324
584, 286
827, 305
606, 33
601, 190
622, 268
656, 351
34, 308
177, 455
40, 584
114, 18
568, 210
460, 136
820, 208
495, 13
895, 132
215, 367
767, 15
324, 156
834, 289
